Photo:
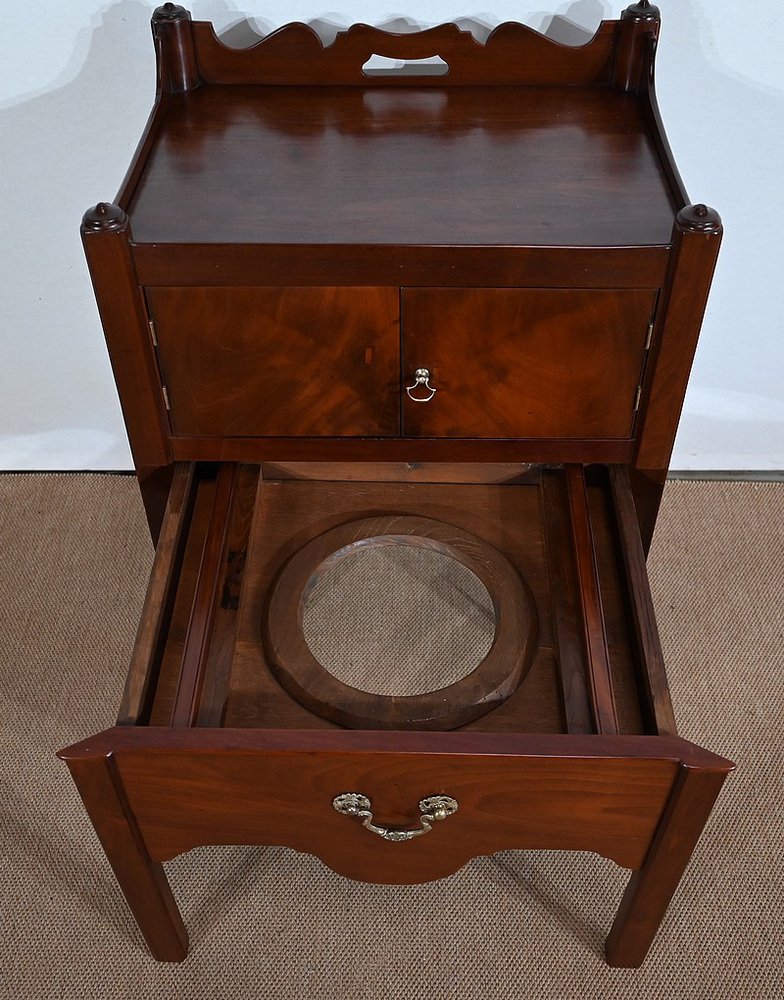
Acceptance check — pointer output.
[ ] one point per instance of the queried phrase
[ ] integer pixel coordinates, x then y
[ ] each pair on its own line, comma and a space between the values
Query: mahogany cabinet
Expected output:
400, 317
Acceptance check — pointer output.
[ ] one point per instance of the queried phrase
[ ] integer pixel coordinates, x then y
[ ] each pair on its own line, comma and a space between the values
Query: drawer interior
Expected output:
201, 657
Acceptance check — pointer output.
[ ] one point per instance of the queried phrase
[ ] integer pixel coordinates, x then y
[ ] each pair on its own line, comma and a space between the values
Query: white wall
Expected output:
76, 84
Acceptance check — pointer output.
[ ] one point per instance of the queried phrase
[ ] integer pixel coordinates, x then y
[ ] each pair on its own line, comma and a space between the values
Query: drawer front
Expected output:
258, 361
189, 796
525, 362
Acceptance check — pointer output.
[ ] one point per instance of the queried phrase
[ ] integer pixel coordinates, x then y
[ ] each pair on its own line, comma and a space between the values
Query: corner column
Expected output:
639, 23
695, 245
106, 239
174, 50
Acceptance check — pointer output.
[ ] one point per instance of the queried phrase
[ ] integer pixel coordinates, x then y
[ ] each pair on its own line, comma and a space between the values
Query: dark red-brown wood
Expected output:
527, 208
652, 886
524, 363
565, 600
153, 632
553, 166
513, 53
121, 304
188, 788
653, 679
226, 376
141, 878
600, 683
696, 240
205, 599
383, 264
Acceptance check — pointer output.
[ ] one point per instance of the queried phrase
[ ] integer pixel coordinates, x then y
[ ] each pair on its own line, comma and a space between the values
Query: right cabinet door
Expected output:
523, 362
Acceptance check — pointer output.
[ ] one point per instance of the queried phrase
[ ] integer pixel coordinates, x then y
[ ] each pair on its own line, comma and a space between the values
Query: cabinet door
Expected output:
524, 362
257, 361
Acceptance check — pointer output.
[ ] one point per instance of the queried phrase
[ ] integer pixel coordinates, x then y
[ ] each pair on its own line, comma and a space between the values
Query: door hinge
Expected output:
151, 325
637, 397
165, 394
648, 339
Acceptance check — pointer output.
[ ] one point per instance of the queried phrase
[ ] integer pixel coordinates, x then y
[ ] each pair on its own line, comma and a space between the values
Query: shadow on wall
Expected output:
573, 24
70, 149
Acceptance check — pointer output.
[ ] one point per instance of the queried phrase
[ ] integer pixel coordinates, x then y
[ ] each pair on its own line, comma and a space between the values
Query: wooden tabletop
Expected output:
474, 165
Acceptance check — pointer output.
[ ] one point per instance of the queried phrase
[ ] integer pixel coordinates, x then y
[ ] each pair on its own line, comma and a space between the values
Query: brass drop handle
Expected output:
432, 810
421, 379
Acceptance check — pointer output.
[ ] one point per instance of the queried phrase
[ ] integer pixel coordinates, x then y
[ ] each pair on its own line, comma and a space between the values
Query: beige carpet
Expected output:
270, 923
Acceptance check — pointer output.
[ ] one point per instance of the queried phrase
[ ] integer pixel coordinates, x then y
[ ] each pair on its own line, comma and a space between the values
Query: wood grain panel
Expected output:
525, 362
183, 800
279, 361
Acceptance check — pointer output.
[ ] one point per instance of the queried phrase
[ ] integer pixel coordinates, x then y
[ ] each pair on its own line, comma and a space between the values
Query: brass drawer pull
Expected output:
421, 378
432, 809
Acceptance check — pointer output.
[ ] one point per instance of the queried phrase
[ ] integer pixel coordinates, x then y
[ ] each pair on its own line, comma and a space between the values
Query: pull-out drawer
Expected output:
212, 749
531, 362
565, 538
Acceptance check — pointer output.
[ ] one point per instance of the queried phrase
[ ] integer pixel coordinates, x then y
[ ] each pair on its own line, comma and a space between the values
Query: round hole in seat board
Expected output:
393, 618
399, 622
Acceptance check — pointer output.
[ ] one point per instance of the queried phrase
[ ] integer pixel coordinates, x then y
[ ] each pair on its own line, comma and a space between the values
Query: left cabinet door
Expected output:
255, 361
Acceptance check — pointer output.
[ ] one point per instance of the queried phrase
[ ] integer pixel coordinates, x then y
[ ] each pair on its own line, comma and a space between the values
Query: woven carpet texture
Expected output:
270, 923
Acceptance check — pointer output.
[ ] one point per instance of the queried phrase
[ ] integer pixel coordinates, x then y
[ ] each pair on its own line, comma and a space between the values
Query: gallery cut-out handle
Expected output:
380, 65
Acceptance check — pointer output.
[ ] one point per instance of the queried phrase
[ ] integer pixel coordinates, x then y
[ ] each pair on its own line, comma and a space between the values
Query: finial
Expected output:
103, 218
643, 10
171, 12
699, 219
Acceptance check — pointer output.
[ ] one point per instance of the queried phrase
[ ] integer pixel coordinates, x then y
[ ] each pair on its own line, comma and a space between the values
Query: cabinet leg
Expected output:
141, 879
651, 887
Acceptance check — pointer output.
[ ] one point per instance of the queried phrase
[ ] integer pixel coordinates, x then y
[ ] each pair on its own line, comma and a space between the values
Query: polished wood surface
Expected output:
288, 513
105, 239
594, 631
653, 678
505, 802
291, 513
221, 361
205, 598
523, 362
697, 238
547, 166
565, 599
401, 472
347, 449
